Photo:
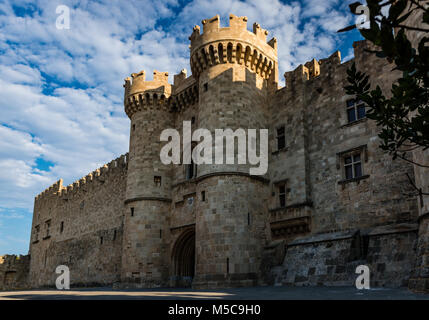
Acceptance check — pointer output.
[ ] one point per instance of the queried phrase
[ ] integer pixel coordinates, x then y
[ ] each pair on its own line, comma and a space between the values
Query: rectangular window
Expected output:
157, 181
206, 86
355, 110
281, 138
132, 212
282, 195
62, 227
36, 233
353, 166
48, 227
203, 196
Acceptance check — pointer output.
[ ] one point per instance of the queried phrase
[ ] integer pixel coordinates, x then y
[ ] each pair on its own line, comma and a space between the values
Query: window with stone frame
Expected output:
353, 166
281, 138
36, 233
351, 163
282, 194
355, 110
48, 228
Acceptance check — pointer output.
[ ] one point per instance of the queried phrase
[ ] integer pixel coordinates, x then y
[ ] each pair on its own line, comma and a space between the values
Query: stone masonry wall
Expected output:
331, 259
14, 272
86, 228
320, 136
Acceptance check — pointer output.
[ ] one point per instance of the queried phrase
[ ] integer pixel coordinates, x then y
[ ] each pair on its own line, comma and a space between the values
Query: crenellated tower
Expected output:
148, 192
217, 48
236, 70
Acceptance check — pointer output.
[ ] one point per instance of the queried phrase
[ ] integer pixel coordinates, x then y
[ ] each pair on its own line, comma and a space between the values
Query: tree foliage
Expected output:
403, 117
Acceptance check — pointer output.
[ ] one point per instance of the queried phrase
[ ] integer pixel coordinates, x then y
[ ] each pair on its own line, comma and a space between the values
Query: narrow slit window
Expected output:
282, 195
36, 233
157, 181
132, 212
48, 228
203, 196
191, 169
281, 138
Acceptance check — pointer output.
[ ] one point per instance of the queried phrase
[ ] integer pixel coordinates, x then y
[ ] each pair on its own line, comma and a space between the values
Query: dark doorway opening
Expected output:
184, 259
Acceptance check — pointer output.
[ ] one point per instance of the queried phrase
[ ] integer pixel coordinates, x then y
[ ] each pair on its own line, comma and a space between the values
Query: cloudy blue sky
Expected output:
61, 112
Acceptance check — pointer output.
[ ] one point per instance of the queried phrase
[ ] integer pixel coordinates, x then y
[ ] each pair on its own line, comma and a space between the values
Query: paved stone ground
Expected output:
253, 293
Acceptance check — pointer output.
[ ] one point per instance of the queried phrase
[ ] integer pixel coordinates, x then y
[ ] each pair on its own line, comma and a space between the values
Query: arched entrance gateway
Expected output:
183, 258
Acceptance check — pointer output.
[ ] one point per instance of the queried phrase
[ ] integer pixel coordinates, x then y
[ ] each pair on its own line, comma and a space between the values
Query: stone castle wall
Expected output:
313, 168
140, 222
331, 259
85, 231
14, 272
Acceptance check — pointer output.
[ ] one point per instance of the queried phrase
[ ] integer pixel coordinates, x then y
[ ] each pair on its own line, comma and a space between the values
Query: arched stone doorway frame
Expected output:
183, 258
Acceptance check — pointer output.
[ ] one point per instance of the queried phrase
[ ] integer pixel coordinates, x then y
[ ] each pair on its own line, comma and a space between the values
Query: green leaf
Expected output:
386, 38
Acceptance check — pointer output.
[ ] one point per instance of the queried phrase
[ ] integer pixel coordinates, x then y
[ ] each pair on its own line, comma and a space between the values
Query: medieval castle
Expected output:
330, 201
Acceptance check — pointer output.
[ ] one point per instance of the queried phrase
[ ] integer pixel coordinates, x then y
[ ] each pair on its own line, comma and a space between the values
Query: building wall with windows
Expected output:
331, 199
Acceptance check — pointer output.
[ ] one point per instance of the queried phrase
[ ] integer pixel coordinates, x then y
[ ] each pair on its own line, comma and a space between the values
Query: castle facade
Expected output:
331, 199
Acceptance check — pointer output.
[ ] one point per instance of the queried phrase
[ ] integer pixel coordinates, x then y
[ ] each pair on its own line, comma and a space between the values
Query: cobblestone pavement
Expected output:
252, 293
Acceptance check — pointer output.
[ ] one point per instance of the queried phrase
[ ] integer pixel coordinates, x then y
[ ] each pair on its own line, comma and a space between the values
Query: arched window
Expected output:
229, 53
220, 52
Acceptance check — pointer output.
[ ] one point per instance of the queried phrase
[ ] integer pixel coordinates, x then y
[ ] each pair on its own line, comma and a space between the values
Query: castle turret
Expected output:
148, 181
216, 48
235, 70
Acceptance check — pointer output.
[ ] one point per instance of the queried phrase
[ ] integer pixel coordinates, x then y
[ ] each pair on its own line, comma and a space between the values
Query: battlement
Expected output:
233, 44
312, 69
57, 189
185, 92
12, 259
53, 189
140, 94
